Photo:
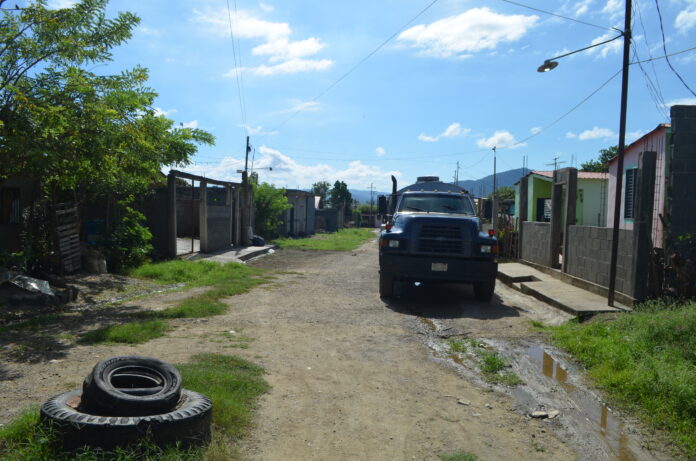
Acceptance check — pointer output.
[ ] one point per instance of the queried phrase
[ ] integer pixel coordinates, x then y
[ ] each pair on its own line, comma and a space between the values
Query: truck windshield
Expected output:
436, 203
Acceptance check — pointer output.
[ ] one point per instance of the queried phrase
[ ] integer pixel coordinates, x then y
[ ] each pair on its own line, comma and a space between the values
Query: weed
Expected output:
129, 333
645, 360
538, 447
199, 306
459, 456
343, 240
457, 345
492, 362
537, 324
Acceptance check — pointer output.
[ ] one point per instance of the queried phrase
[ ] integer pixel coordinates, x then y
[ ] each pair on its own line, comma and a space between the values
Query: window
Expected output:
436, 203
630, 194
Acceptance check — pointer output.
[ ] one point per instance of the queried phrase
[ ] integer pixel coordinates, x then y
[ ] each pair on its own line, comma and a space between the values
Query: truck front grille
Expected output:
439, 238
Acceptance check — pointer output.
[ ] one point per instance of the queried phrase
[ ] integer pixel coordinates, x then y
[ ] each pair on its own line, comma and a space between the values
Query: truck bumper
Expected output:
421, 268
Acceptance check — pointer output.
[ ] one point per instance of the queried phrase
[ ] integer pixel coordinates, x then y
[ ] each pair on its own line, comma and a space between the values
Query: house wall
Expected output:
594, 207
589, 254
154, 207
311, 214
681, 165
656, 141
535, 247
219, 233
538, 188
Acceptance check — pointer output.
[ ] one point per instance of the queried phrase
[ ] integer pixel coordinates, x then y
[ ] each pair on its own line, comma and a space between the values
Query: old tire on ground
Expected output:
484, 290
187, 424
131, 386
386, 286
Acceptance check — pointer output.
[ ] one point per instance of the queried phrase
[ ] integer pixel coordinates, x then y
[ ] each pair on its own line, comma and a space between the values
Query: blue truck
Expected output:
432, 234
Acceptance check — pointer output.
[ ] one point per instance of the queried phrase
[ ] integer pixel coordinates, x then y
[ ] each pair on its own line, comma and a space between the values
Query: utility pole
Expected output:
555, 166
494, 207
372, 189
246, 232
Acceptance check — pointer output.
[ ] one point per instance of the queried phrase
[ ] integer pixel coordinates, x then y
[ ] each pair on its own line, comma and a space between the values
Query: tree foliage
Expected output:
321, 188
92, 136
340, 196
503, 193
601, 165
269, 203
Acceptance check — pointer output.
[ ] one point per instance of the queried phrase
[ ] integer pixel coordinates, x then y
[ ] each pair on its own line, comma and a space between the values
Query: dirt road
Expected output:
354, 377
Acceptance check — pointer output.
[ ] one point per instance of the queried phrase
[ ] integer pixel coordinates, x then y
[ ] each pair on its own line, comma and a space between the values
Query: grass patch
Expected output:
459, 456
31, 324
197, 307
343, 240
129, 333
646, 360
457, 345
199, 273
232, 383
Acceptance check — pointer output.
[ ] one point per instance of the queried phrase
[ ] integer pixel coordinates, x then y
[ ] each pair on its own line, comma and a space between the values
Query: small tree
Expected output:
503, 193
269, 203
601, 165
321, 189
341, 196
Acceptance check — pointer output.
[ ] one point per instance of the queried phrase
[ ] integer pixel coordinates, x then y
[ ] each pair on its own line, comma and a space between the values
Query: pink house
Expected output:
656, 141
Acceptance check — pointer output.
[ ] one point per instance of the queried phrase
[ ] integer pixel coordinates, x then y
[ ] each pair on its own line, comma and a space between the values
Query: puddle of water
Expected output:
456, 359
607, 425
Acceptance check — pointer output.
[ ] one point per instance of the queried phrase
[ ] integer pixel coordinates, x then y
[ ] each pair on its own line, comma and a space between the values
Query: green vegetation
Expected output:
343, 240
225, 279
646, 360
340, 196
269, 203
456, 345
601, 165
459, 456
493, 366
232, 384
129, 333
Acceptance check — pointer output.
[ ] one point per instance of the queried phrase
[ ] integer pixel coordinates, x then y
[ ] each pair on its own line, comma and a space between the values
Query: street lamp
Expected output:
551, 64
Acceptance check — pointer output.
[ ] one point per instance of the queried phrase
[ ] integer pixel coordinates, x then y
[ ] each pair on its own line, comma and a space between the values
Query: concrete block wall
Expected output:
219, 230
535, 247
681, 178
589, 255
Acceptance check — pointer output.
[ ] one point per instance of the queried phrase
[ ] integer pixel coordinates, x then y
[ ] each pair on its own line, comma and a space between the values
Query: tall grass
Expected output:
646, 360
343, 240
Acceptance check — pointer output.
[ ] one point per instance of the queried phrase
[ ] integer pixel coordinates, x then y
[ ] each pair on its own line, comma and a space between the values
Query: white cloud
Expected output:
613, 8
285, 56
257, 131
681, 102
633, 135
191, 124
595, 133
266, 8
500, 139
582, 7
453, 131
293, 66
614, 47
535, 130
161, 112
303, 106
380, 152
149, 31
289, 173
425, 138
474, 30
59, 4
686, 19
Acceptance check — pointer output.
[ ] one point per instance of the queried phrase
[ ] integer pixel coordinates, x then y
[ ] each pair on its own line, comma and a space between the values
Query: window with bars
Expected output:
630, 194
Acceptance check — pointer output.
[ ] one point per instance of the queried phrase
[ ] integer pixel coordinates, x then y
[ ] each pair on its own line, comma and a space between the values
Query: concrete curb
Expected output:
256, 253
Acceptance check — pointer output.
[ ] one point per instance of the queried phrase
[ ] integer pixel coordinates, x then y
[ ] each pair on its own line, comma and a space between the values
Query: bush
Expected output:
129, 244
269, 202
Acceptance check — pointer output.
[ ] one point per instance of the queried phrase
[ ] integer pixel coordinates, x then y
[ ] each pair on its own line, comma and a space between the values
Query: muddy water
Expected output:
607, 426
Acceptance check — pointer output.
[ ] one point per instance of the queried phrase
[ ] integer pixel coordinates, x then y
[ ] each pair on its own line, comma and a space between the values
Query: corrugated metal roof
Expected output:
581, 174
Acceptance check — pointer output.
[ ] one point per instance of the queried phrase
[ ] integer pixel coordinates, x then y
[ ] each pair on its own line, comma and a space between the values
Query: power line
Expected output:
647, 47
369, 55
664, 47
237, 69
666, 56
654, 93
557, 15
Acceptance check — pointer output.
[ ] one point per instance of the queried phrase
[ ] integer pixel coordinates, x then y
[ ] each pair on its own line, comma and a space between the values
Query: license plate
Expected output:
439, 267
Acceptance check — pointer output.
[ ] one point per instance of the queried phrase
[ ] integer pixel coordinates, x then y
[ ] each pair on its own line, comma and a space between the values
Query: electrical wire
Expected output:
658, 88
237, 69
522, 5
652, 90
368, 56
664, 47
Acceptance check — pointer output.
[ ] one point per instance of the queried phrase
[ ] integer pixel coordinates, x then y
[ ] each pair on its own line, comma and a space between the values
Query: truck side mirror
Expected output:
382, 205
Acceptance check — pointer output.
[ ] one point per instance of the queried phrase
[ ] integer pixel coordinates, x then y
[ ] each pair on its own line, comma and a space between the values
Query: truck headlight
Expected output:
393, 244
485, 249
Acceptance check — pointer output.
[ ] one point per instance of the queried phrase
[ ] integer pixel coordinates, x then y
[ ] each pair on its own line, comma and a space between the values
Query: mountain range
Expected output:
477, 187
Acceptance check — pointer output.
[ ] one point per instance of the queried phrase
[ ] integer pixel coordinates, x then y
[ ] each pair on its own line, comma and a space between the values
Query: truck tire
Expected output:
484, 290
131, 386
186, 424
386, 286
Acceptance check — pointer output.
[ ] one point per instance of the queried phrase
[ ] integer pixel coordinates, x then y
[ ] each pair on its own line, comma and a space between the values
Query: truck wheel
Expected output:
386, 286
484, 290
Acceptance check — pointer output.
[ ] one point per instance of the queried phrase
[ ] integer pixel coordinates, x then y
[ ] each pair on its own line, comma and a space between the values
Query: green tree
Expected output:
321, 189
340, 196
90, 136
601, 165
503, 193
269, 203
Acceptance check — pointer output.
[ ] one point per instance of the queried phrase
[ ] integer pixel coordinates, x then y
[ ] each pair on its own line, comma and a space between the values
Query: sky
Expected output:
358, 91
